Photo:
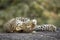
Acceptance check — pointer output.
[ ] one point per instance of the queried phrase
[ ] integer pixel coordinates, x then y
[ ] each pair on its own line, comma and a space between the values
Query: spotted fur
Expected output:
19, 24
46, 27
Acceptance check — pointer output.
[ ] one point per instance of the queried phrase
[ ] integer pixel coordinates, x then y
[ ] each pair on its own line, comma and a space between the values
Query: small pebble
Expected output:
41, 35
34, 32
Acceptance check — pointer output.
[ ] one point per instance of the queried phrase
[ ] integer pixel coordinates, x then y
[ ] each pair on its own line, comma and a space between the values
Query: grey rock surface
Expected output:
41, 35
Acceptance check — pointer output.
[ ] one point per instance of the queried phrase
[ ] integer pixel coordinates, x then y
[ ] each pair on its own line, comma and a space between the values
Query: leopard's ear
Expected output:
34, 21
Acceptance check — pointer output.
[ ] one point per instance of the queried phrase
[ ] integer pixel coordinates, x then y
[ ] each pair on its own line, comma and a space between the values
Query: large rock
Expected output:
45, 35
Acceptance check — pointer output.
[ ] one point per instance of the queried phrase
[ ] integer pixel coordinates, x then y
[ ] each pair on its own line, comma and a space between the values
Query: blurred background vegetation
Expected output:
45, 11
